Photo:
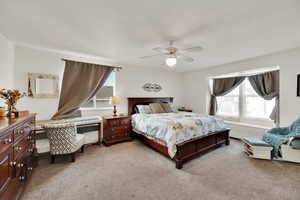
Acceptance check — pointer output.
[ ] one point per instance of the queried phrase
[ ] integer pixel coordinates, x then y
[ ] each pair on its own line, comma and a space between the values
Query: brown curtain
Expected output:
266, 85
81, 82
221, 87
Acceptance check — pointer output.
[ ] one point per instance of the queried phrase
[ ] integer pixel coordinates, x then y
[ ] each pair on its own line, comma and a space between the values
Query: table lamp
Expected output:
114, 100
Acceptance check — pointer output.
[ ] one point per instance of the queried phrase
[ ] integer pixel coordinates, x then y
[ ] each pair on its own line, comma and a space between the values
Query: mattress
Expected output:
174, 128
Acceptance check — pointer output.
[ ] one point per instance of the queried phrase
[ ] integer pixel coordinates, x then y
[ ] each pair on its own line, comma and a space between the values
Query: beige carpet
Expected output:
133, 171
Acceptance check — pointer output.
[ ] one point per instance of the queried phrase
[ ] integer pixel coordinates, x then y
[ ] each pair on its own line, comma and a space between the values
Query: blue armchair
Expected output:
278, 136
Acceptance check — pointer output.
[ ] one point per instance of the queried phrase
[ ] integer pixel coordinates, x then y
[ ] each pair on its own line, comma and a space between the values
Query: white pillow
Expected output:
144, 109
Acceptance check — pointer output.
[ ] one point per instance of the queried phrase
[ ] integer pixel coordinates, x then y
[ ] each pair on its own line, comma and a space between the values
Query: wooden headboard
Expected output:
133, 101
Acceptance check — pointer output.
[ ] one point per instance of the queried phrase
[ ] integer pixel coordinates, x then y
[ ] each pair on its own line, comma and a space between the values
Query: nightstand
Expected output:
185, 110
116, 129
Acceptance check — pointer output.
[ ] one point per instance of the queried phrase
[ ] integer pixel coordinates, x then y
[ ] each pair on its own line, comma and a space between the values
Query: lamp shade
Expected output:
114, 100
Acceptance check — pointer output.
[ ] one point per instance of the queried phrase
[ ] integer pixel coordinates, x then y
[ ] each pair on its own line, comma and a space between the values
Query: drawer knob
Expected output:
20, 165
18, 148
7, 141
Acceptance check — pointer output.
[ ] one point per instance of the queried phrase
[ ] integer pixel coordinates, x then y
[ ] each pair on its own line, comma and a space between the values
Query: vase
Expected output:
10, 111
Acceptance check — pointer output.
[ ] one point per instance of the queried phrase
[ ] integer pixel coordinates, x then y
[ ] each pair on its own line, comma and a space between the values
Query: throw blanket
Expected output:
277, 140
174, 128
278, 136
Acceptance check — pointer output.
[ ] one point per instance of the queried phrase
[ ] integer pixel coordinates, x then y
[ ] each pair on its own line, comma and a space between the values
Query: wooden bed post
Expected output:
179, 164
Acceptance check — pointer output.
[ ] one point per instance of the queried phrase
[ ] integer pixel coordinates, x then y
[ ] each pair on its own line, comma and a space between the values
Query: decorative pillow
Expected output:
167, 107
144, 109
156, 108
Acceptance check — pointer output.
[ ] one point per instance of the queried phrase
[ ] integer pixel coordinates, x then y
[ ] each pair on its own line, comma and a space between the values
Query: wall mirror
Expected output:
42, 85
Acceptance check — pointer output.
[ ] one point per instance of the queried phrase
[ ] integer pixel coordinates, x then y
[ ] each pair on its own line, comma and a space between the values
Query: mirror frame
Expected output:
32, 78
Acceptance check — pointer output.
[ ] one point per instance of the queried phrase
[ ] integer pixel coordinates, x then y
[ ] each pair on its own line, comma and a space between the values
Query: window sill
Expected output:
248, 125
95, 109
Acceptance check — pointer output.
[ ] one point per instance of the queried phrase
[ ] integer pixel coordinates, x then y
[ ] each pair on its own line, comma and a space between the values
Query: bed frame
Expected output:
187, 150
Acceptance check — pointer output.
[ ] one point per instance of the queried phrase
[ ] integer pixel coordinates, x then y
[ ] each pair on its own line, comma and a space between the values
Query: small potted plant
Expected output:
11, 98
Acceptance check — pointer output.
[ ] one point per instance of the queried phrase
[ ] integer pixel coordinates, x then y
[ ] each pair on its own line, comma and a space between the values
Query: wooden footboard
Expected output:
190, 149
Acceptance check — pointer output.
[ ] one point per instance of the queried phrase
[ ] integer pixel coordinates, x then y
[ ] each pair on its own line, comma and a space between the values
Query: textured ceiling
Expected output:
125, 30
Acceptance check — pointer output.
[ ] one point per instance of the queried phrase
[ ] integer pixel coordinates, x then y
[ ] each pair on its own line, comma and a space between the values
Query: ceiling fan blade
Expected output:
161, 50
150, 56
165, 66
186, 58
193, 49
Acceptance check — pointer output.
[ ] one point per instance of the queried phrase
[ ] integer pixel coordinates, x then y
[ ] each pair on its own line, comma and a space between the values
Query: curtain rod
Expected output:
243, 75
115, 68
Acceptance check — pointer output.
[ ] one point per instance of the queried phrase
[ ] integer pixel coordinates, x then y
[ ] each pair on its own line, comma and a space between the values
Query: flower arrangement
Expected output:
11, 98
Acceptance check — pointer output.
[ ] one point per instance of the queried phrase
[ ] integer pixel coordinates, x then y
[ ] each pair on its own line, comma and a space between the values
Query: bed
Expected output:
180, 151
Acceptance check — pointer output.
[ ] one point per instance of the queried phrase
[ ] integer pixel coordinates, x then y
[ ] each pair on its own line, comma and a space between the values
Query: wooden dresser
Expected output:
17, 160
116, 129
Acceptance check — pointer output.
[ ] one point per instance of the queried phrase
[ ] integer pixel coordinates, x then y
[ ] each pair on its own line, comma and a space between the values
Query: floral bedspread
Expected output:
174, 128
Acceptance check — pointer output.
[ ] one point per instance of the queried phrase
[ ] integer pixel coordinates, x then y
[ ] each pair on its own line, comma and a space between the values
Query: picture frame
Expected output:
298, 85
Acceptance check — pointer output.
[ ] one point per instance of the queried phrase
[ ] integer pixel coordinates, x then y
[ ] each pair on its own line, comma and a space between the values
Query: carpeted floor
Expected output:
133, 171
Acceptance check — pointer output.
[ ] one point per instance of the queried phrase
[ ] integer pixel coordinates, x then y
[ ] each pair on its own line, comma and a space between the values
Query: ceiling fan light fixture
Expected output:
171, 61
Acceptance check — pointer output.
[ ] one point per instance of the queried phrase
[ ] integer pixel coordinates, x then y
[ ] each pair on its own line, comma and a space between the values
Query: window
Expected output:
254, 105
228, 105
243, 104
101, 99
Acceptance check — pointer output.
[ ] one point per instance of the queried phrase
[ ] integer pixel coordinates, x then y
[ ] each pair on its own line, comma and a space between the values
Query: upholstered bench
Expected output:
257, 148
89, 126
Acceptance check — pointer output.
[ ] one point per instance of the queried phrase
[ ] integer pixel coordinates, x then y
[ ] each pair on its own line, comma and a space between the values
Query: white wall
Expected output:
6, 65
129, 80
196, 83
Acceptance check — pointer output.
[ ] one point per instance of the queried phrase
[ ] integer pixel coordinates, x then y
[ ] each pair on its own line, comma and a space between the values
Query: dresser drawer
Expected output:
116, 137
20, 148
122, 135
9, 192
31, 139
125, 122
19, 167
31, 163
5, 169
113, 123
6, 141
22, 131
118, 129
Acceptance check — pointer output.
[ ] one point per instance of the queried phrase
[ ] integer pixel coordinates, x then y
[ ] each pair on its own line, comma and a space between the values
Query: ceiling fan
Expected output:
173, 54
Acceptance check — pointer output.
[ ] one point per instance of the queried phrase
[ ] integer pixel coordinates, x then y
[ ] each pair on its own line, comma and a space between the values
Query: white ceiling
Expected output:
125, 30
